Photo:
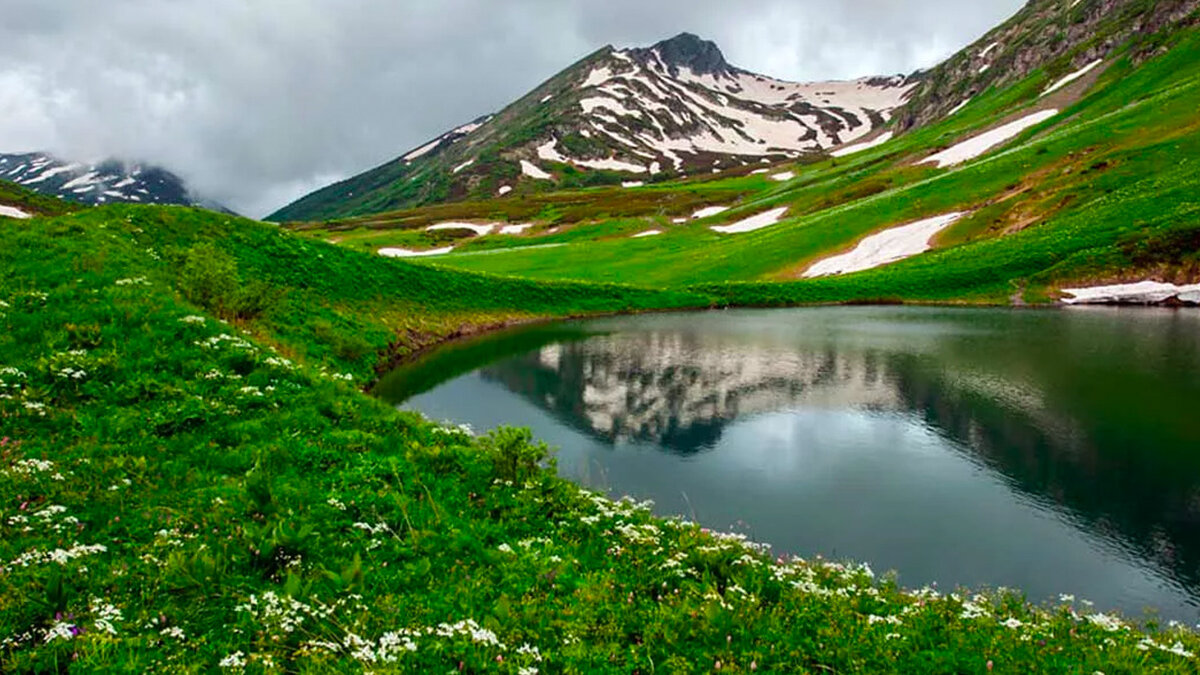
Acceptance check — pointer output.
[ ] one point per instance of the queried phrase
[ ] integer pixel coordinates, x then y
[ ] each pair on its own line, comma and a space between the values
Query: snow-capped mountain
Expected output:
673, 109
107, 182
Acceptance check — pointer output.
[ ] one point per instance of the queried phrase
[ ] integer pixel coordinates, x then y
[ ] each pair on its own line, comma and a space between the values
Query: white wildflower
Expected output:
1106, 621
61, 630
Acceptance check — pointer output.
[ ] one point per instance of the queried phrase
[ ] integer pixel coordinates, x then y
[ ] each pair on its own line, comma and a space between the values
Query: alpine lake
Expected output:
1052, 451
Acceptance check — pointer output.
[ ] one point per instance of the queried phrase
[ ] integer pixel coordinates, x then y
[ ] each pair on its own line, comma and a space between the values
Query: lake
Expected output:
1051, 451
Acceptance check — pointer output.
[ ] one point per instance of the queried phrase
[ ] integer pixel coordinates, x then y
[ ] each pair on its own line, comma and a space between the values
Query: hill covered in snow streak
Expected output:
673, 109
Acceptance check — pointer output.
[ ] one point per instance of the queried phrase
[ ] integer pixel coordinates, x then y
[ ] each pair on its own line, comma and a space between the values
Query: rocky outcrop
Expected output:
1053, 34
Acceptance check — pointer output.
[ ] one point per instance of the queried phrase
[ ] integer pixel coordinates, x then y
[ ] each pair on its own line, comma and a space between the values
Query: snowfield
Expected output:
885, 247
709, 211
1140, 293
530, 169
13, 212
865, 145
753, 223
974, 147
478, 229
1072, 77
651, 113
405, 253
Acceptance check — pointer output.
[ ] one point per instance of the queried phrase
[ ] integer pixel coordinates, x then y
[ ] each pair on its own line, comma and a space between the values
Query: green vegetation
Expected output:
182, 494
192, 479
31, 202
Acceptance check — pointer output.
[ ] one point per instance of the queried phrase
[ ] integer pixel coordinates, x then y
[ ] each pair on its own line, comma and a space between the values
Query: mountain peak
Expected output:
690, 51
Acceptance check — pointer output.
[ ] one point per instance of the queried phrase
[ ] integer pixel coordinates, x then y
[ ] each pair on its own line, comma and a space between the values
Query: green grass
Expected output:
33, 203
181, 493
190, 475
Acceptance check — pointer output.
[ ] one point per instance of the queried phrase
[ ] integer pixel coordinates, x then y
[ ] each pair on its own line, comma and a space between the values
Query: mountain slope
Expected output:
21, 203
1051, 181
110, 181
633, 115
1061, 36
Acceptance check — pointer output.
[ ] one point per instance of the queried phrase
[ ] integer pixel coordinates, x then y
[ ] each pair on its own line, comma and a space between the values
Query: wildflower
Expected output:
1011, 623
139, 281
61, 630
234, 660
1106, 621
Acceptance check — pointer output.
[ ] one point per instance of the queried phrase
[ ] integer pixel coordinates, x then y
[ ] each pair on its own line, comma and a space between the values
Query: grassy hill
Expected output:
31, 202
192, 482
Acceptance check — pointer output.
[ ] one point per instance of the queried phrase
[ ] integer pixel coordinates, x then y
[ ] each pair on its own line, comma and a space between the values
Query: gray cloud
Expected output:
256, 102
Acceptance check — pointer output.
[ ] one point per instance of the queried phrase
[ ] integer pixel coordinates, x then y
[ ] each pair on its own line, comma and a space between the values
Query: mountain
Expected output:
633, 115
103, 183
1059, 36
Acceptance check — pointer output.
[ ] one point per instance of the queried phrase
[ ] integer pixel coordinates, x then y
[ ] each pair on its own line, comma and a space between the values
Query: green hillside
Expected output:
194, 483
31, 202
193, 477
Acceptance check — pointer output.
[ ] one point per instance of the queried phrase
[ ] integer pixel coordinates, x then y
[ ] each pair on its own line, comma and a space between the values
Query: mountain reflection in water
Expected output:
1088, 417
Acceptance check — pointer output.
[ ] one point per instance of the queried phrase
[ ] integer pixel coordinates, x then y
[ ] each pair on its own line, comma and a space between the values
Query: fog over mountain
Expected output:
257, 103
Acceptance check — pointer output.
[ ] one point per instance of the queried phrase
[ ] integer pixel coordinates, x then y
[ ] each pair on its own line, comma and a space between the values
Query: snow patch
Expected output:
988, 50
530, 169
515, 229
885, 247
504, 190
1073, 76
1140, 293
464, 165
597, 77
785, 176
13, 212
866, 145
405, 253
647, 233
609, 164
474, 227
423, 150
632, 184
974, 147
753, 223
958, 108
709, 211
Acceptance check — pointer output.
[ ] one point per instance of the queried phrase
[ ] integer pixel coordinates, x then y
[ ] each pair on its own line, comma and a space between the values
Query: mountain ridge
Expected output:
621, 115
108, 181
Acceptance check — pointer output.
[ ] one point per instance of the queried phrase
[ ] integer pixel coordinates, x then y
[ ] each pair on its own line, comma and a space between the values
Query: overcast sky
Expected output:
256, 102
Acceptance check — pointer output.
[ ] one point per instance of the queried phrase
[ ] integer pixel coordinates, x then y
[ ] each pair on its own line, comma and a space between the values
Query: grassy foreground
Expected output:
191, 482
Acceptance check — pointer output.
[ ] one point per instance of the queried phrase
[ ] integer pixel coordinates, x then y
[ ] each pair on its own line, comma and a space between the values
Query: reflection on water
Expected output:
1050, 451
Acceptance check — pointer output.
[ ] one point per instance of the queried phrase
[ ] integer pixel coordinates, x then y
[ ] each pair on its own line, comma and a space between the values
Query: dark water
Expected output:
1050, 451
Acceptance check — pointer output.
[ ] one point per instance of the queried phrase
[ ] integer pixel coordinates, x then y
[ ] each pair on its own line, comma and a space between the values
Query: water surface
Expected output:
1050, 451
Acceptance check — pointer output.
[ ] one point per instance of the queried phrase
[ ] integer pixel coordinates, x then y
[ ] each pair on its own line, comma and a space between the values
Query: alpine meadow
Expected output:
224, 444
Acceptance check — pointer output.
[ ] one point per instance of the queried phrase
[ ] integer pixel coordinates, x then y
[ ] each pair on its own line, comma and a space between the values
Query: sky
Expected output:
257, 102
